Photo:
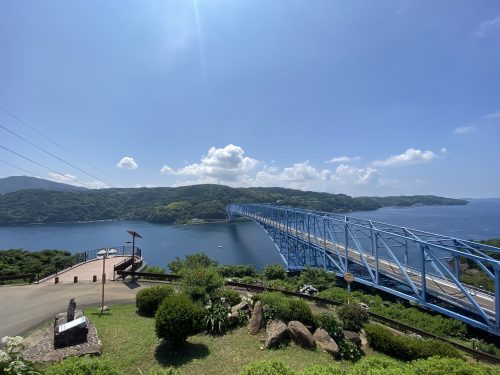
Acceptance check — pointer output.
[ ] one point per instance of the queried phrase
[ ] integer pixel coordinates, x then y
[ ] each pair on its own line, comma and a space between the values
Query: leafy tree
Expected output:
196, 260
201, 283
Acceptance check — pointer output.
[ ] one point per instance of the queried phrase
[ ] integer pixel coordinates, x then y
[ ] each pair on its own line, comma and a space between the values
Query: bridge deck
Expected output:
435, 285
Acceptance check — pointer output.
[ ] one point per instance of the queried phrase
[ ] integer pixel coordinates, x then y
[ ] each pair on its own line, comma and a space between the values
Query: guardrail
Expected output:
31, 277
478, 355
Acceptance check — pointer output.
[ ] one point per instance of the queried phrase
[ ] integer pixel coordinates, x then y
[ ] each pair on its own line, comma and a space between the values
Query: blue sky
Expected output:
357, 97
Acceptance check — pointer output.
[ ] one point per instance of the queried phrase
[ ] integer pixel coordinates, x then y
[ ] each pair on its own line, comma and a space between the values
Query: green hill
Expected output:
178, 205
16, 183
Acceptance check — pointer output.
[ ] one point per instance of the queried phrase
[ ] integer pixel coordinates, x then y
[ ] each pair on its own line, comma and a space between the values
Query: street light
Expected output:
104, 254
134, 234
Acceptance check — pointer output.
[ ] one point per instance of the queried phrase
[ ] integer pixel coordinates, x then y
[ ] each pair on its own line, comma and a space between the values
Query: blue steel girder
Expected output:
377, 253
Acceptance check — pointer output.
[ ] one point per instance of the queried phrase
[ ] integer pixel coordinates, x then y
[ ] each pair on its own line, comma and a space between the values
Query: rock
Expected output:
362, 336
257, 319
301, 335
242, 306
277, 333
352, 337
70, 314
325, 342
95, 349
71, 333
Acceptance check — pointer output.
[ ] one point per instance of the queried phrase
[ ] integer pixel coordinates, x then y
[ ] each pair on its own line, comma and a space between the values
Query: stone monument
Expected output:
68, 330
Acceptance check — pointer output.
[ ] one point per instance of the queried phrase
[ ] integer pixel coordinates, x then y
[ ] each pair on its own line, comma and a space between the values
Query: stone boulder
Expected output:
277, 333
325, 342
242, 306
301, 335
353, 337
257, 319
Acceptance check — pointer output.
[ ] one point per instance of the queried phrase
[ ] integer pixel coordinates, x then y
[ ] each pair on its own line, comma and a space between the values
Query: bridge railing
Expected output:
428, 265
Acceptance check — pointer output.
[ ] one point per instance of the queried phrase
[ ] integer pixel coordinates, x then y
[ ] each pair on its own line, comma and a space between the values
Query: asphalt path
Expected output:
25, 307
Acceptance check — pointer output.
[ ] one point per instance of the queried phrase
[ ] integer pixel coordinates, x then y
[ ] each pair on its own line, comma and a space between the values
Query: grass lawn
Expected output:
129, 340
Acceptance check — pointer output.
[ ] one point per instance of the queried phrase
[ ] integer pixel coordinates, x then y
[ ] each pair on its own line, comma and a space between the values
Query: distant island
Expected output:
185, 204
16, 183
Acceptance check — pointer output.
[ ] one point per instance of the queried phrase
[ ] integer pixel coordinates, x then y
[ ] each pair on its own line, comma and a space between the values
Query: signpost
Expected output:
105, 253
349, 278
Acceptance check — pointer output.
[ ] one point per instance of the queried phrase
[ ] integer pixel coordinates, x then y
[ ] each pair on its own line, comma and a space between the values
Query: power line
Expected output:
55, 143
51, 154
16, 167
43, 166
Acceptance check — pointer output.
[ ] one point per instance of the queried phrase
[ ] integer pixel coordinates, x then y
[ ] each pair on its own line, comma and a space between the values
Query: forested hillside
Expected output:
178, 205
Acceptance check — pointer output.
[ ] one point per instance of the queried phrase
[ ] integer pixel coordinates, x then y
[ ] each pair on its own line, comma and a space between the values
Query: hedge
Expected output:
147, 300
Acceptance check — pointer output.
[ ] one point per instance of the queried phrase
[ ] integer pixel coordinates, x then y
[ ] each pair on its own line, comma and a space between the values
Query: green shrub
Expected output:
201, 283
317, 277
436, 324
300, 310
281, 284
407, 348
238, 271
336, 294
231, 296
177, 318
278, 306
349, 351
216, 318
196, 260
331, 325
267, 368
377, 365
11, 361
83, 366
274, 272
354, 317
450, 366
323, 370
147, 300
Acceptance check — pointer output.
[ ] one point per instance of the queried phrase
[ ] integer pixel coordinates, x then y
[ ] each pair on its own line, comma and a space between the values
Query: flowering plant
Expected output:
11, 362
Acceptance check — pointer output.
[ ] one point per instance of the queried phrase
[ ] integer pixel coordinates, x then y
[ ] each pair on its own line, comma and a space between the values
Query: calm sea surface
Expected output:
243, 243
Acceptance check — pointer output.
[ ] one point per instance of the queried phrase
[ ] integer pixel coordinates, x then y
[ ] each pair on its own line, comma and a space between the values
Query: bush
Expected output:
407, 348
201, 283
177, 318
216, 318
354, 317
83, 366
147, 300
377, 365
436, 324
450, 366
196, 260
349, 351
11, 361
281, 284
323, 370
278, 306
238, 271
317, 277
231, 296
336, 294
274, 272
331, 325
267, 368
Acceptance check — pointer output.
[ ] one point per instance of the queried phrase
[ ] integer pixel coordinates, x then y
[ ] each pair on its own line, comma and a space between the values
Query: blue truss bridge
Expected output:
415, 265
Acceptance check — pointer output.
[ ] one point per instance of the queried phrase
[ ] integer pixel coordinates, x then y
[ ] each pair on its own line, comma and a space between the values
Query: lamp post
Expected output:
104, 254
134, 234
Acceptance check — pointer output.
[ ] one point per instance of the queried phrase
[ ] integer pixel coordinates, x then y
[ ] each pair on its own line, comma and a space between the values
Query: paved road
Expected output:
26, 306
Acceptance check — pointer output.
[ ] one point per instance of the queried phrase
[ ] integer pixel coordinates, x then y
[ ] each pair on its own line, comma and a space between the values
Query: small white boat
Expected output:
220, 246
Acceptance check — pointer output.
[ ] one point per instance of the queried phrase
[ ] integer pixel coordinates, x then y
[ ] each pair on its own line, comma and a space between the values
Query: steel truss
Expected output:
415, 265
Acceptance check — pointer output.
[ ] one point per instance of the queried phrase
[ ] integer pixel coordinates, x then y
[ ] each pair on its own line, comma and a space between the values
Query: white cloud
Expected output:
342, 159
226, 164
464, 129
409, 157
127, 163
486, 26
491, 116
166, 170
